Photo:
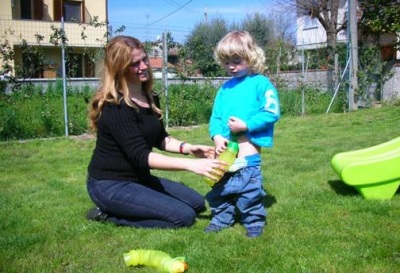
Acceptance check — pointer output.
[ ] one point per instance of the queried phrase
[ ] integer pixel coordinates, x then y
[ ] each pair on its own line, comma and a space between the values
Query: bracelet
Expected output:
181, 148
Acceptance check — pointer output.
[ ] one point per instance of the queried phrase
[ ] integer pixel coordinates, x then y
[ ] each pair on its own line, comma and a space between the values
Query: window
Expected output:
79, 66
26, 9
89, 67
32, 9
74, 67
310, 23
31, 66
72, 11
388, 53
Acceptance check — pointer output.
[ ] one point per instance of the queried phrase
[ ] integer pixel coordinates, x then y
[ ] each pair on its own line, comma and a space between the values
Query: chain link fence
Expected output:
150, 33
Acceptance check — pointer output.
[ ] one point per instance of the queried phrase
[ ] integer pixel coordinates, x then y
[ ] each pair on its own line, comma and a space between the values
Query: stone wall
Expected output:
318, 78
391, 89
294, 79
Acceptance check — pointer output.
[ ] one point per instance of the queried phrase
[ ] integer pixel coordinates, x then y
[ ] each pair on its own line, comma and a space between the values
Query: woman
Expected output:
124, 112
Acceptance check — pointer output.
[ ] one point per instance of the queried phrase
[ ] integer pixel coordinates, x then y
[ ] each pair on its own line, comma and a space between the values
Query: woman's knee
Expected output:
186, 219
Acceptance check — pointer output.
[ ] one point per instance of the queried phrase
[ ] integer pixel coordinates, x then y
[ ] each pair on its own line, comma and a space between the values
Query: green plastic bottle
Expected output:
228, 156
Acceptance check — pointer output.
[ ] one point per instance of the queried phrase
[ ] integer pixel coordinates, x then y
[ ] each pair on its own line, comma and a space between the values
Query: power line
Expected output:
172, 2
169, 14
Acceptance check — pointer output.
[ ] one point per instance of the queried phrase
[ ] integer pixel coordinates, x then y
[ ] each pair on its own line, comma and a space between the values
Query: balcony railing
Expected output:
78, 35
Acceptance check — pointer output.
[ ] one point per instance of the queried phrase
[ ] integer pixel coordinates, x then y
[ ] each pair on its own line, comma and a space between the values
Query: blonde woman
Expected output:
125, 115
246, 107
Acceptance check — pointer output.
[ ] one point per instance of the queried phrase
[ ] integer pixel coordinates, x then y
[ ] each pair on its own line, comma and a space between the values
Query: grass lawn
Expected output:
315, 222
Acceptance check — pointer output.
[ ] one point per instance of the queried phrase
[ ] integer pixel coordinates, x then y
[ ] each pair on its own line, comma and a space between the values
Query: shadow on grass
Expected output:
341, 188
397, 192
269, 200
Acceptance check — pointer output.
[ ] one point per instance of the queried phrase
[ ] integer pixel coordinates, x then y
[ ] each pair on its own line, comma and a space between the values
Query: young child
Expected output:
246, 107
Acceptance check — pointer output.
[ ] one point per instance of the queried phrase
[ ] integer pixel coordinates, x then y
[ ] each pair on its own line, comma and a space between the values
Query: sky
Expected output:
154, 15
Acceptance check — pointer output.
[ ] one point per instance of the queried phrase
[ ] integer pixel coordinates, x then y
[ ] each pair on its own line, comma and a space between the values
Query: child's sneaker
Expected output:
254, 231
213, 228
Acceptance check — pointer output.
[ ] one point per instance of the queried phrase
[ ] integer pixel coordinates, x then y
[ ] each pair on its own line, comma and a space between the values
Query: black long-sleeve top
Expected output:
125, 137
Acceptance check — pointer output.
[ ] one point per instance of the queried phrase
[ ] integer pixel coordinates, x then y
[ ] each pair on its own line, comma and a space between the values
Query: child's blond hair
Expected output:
240, 44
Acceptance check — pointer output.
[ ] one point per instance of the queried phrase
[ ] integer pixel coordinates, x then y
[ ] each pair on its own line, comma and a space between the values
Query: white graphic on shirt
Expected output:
271, 102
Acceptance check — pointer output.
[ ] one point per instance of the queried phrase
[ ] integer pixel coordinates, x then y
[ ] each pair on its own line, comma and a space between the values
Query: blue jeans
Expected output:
158, 203
242, 190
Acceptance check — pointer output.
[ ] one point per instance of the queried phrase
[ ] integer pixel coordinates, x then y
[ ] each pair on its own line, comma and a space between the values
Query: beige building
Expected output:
31, 28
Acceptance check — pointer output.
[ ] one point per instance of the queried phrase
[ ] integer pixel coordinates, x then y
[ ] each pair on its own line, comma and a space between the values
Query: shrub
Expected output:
31, 112
315, 101
189, 104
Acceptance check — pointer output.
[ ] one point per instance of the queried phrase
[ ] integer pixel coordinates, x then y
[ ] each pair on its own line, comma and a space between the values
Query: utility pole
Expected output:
353, 53
165, 76
64, 77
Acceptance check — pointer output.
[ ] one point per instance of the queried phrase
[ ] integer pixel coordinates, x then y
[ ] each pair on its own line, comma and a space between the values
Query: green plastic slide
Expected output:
373, 171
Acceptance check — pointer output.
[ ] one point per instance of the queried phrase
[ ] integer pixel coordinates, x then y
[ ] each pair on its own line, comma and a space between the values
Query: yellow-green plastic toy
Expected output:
156, 259
373, 171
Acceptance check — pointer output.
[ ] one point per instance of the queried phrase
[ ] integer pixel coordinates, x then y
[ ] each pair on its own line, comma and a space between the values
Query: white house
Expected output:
311, 34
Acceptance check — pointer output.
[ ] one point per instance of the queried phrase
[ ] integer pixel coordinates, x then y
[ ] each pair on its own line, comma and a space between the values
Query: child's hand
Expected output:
220, 144
236, 125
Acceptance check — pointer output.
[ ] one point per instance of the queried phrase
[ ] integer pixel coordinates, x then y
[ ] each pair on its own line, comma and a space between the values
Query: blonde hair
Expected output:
114, 86
240, 44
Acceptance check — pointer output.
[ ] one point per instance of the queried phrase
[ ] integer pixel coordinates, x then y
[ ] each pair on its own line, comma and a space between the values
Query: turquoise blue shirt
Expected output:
254, 100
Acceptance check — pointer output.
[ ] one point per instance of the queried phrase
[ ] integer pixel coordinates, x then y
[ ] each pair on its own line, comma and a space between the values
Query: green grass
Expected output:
315, 222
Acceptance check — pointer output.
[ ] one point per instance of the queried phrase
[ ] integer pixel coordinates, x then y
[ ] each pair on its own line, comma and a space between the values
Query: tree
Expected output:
260, 27
273, 36
266, 30
326, 12
200, 45
380, 17
376, 19
203, 39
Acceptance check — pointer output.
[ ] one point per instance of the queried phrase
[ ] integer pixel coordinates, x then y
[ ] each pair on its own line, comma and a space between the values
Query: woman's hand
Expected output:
207, 167
202, 151
204, 166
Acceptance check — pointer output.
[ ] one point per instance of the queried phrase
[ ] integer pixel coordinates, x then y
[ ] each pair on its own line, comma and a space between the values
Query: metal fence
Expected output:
150, 33
294, 79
